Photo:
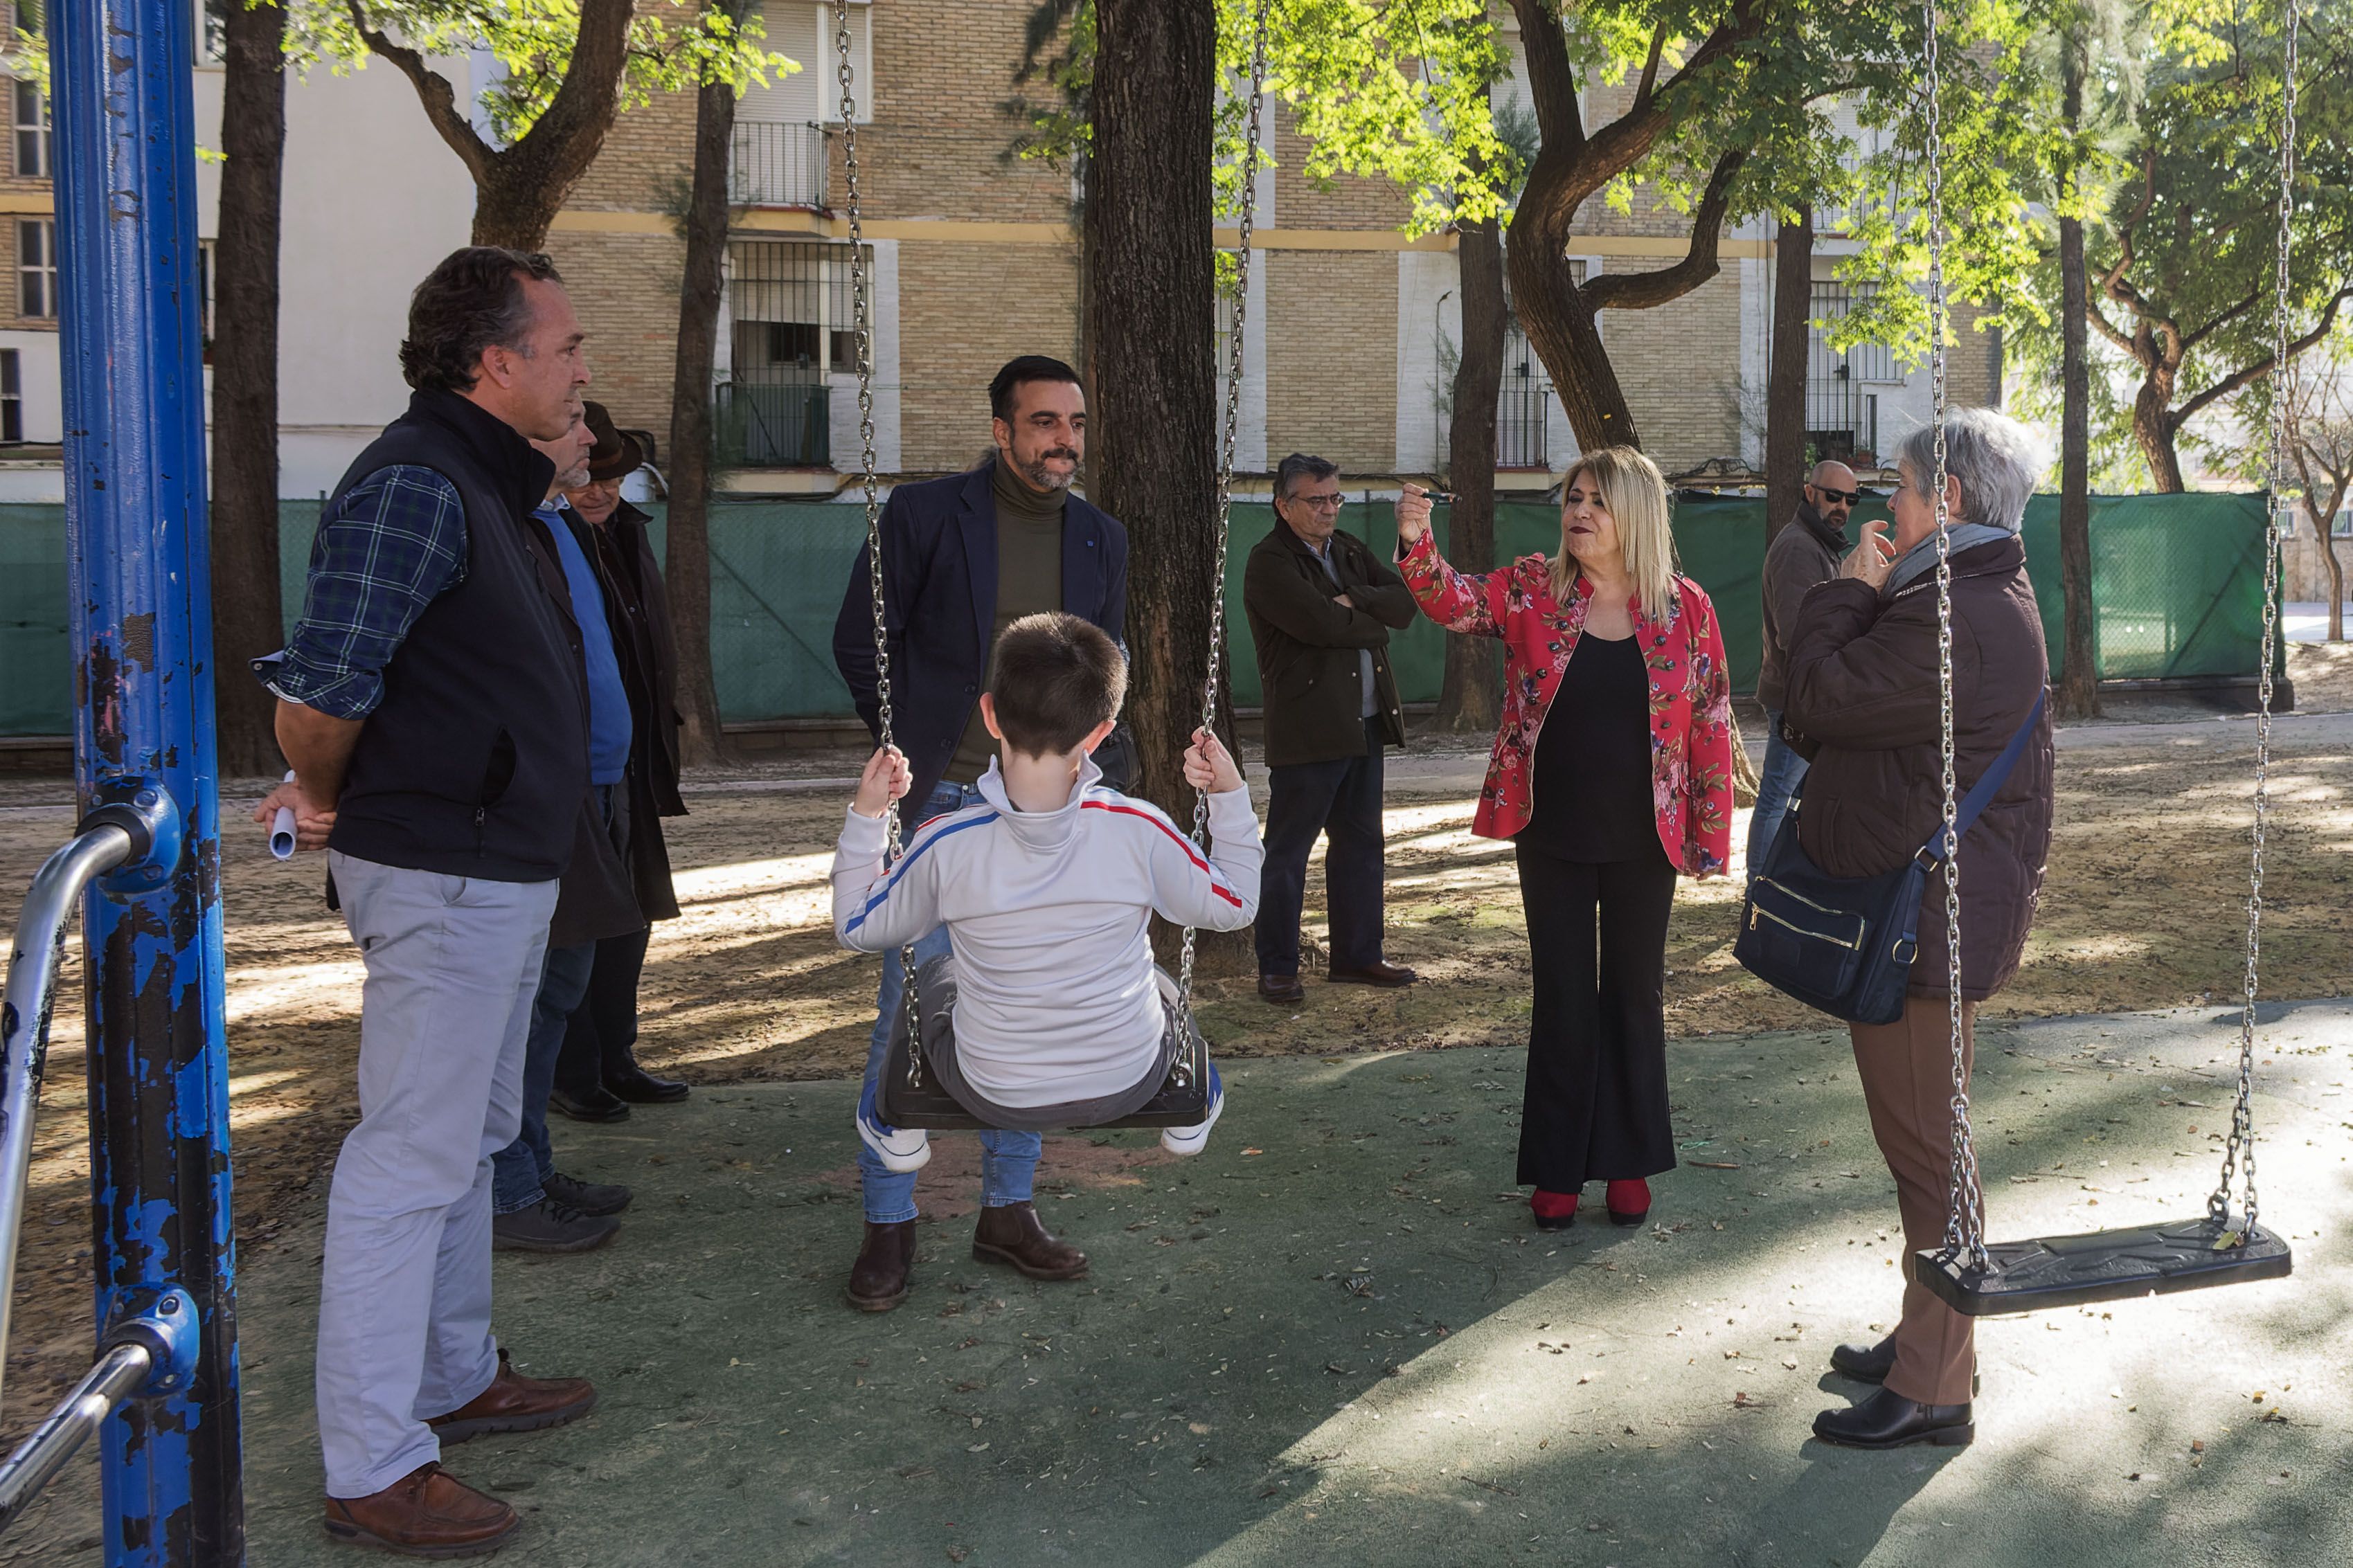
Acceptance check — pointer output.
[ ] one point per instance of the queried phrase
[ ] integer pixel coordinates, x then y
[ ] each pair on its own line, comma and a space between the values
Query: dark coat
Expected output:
1806, 552
636, 607
1308, 643
1864, 702
596, 898
939, 593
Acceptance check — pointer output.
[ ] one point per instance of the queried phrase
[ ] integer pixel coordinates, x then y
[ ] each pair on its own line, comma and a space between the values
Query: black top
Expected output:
1592, 779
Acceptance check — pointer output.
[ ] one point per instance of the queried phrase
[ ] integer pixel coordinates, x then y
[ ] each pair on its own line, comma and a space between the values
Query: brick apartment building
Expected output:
1351, 326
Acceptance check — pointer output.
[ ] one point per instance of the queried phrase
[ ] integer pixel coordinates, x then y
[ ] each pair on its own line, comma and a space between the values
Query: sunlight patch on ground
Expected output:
738, 879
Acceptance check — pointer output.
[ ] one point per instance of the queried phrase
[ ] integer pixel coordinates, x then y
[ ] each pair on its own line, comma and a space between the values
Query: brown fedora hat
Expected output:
616, 453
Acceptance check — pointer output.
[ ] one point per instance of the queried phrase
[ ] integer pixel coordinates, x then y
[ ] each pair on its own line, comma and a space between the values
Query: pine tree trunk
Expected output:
1152, 431
690, 442
247, 614
1785, 376
1469, 702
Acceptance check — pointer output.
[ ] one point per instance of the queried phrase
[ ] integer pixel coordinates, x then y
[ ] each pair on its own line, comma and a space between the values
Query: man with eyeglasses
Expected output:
1805, 552
1321, 606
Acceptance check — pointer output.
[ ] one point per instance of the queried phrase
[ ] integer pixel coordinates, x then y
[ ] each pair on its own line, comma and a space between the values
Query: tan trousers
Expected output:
1906, 1069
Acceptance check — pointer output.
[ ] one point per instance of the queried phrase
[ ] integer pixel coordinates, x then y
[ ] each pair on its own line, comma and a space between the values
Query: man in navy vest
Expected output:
433, 708
963, 558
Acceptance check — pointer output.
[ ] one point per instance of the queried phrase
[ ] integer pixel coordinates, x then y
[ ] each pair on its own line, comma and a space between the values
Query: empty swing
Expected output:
1970, 1275
911, 1097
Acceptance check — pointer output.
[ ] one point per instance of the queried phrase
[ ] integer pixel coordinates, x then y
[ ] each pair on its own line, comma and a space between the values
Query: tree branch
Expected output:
1651, 67
2191, 340
2248, 374
1552, 80
440, 99
571, 132
1642, 290
2107, 327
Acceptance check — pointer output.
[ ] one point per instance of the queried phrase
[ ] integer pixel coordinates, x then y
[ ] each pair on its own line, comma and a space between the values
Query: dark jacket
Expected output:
1806, 552
1863, 698
597, 899
939, 591
475, 762
638, 608
1309, 643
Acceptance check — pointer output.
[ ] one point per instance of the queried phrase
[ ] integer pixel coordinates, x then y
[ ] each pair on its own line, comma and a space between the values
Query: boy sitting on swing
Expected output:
1047, 1011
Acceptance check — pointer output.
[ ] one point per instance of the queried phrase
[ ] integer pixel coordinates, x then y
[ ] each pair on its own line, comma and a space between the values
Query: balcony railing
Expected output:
1842, 420
777, 165
778, 424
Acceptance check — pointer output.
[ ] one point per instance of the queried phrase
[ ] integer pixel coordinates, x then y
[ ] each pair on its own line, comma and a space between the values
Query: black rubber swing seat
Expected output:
2103, 1266
930, 1108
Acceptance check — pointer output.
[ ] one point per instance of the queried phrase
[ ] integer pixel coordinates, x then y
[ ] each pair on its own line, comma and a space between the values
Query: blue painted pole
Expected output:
142, 628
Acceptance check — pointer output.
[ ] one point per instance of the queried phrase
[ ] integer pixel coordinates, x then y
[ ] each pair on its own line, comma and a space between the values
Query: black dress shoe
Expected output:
597, 1106
1284, 990
640, 1086
594, 1199
1891, 1421
1388, 977
1865, 1363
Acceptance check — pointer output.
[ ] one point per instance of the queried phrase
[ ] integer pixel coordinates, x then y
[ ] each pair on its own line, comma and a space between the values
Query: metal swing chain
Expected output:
1965, 1224
2241, 1148
862, 329
1182, 1075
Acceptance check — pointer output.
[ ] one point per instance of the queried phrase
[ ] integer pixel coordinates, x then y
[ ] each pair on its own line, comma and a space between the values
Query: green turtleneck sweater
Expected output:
1029, 582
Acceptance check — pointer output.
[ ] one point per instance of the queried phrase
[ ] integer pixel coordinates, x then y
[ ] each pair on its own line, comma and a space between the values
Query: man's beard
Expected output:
1041, 477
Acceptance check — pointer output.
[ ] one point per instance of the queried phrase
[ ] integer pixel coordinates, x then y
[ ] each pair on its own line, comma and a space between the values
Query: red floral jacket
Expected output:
1691, 695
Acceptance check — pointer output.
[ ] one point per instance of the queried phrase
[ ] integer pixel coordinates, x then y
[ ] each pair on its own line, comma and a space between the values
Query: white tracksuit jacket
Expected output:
1048, 919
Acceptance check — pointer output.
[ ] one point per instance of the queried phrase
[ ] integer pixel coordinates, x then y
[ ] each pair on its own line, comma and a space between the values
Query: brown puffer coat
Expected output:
1863, 700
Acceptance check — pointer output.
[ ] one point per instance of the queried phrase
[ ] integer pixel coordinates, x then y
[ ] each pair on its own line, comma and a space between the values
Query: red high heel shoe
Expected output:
1553, 1210
1629, 1202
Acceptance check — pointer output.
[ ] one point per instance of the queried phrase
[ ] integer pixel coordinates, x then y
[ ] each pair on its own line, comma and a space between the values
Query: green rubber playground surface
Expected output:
1334, 1337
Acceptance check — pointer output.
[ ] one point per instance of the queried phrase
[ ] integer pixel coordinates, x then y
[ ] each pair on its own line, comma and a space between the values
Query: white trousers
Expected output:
405, 1298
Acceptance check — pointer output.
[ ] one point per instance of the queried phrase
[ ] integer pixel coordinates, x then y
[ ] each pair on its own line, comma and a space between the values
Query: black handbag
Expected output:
1845, 944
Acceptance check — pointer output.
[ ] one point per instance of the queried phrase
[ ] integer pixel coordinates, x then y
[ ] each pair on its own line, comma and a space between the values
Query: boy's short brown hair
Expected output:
1056, 677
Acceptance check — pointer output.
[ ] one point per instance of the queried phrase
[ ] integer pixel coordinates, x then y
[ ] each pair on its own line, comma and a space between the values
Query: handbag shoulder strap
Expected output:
1982, 794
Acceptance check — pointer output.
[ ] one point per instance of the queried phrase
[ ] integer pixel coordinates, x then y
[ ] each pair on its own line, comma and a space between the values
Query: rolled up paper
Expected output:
281, 829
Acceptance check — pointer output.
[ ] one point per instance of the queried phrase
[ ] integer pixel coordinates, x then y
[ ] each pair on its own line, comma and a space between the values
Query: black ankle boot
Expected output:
1891, 1421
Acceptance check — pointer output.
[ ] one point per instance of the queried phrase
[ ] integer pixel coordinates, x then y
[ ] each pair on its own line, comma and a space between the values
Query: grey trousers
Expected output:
405, 1297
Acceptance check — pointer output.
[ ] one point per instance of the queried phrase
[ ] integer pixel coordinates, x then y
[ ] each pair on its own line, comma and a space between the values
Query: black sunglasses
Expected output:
1852, 498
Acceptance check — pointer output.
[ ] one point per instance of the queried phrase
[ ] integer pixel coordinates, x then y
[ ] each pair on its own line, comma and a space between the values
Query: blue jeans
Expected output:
518, 1170
1009, 1160
1777, 781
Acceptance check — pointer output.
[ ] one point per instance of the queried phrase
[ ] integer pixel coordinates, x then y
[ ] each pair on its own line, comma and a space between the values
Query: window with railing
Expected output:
1841, 406
791, 307
771, 164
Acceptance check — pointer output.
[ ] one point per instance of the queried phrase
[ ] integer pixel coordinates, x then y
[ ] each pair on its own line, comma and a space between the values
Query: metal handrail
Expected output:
121, 1372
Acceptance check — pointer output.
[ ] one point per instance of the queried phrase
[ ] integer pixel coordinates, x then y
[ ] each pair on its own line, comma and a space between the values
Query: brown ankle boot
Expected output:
425, 1514
515, 1403
1013, 1234
878, 1281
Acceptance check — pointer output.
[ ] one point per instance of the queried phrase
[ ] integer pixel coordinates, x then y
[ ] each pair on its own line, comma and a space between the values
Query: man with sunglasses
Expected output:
1804, 552
1321, 606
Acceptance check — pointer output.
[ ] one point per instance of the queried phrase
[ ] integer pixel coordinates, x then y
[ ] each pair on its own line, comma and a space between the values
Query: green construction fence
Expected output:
2178, 580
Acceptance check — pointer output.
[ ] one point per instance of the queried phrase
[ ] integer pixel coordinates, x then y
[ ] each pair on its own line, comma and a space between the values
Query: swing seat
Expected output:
2102, 1266
930, 1108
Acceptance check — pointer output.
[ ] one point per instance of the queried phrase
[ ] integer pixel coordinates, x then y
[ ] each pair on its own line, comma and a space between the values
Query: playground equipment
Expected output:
146, 859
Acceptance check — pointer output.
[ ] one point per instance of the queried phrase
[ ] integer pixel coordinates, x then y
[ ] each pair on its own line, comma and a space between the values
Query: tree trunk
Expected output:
2079, 689
1785, 378
690, 442
2154, 429
1149, 333
248, 620
1469, 702
2335, 580
1563, 329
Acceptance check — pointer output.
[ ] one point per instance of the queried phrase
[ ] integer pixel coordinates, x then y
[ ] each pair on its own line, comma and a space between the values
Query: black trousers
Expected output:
1341, 800
1595, 1103
598, 1040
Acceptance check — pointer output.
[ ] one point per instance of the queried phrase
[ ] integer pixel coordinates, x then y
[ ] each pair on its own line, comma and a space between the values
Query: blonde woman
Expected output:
1612, 775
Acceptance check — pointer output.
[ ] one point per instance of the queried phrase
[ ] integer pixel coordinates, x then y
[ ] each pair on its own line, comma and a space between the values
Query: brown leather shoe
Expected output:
425, 1514
1282, 990
878, 1281
1387, 975
1013, 1234
515, 1403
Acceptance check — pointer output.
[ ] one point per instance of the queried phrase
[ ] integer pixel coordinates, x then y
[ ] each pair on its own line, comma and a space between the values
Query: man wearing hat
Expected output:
597, 1078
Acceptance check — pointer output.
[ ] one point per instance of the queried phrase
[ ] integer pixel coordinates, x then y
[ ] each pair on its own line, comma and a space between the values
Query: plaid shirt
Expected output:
390, 544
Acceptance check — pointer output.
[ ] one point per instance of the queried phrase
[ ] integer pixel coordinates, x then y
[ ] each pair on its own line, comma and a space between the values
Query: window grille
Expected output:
791, 304
31, 118
12, 398
37, 268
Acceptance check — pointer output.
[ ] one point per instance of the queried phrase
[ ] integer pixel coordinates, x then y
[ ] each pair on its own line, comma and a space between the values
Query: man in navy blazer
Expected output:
963, 557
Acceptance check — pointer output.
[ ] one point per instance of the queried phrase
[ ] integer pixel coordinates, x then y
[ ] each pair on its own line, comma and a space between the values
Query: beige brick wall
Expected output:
1679, 365
1971, 363
647, 160
1332, 353
626, 288
964, 311
1346, 201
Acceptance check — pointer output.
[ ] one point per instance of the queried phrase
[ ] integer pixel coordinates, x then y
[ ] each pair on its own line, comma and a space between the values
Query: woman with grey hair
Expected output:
1865, 697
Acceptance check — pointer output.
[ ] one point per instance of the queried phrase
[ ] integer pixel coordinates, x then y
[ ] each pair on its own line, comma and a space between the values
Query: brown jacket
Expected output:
1863, 700
1806, 552
1309, 643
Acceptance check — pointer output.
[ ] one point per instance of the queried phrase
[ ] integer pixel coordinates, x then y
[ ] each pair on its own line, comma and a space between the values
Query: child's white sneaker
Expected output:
901, 1149
1193, 1139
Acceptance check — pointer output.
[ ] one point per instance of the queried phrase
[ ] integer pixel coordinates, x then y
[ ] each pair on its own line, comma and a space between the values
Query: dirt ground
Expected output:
2144, 908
